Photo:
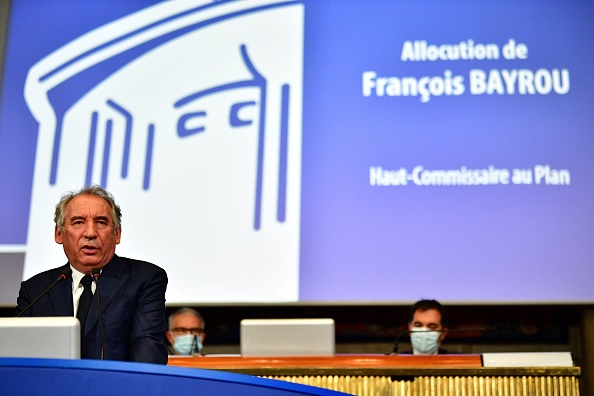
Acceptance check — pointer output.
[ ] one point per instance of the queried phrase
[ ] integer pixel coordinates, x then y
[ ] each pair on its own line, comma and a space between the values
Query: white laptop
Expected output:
40, 337
287, 337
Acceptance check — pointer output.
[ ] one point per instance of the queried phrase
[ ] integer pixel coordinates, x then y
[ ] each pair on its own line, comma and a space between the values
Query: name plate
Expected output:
528, 359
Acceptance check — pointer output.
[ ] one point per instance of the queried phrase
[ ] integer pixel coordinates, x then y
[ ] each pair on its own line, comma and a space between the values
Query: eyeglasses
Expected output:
183, 330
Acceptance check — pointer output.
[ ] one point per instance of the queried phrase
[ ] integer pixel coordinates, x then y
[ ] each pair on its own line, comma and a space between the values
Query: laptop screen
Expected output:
40, 337
287, 337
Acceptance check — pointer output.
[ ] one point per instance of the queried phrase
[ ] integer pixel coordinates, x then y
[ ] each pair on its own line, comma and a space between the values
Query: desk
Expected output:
32, 376
400, 375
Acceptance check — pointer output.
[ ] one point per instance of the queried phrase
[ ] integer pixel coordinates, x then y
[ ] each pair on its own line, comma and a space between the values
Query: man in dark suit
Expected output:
132, 292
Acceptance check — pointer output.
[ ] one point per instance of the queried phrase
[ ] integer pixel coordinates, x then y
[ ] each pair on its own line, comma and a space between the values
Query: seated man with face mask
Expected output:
427, 325
186, 332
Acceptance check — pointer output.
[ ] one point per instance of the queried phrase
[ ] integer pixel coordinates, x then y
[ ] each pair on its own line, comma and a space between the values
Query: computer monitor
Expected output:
287, 337
40, 337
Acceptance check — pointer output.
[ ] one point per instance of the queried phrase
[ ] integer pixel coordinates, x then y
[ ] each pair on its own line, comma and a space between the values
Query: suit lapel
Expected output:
62, 299
112, 279
61, 295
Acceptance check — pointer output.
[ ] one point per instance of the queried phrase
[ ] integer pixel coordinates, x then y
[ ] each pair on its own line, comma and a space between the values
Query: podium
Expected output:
27, 376
403, 375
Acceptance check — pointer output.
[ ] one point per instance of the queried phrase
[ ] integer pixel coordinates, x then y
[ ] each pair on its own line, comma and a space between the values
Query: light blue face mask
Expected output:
424, 341
187, 344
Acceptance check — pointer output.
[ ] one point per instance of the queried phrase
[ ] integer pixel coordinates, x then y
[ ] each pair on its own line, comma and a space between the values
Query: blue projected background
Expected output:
432, 149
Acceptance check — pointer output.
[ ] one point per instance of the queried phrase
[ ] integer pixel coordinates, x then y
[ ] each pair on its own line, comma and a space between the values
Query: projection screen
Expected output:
274, 151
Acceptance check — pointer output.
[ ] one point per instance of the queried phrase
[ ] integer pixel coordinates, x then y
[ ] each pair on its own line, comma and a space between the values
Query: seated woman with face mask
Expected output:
186, 332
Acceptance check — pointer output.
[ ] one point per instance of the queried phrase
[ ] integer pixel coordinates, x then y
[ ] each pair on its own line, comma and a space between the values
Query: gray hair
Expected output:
116, 212
186, 311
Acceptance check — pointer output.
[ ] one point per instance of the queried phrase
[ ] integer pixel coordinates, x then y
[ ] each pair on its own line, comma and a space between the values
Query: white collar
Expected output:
76, 277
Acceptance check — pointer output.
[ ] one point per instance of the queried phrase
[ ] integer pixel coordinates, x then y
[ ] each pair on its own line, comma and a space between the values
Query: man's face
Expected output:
430, 319
185, 324
88, 237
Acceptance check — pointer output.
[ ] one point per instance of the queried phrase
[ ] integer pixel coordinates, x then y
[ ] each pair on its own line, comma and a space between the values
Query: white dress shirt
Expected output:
77, 287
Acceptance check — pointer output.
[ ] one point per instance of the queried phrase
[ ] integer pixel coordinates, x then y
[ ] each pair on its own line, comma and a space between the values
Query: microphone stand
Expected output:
96, 273
195, 345
395, 346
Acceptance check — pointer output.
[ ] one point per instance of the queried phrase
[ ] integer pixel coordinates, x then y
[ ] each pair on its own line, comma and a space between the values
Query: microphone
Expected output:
395, 346
194, 345
63, 275
476, 330
96, 272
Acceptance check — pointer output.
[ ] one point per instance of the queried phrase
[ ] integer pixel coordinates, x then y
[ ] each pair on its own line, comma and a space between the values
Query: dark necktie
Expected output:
83, 305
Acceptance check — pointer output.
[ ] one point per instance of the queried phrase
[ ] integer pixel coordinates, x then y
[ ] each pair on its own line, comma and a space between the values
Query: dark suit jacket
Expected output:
132, 296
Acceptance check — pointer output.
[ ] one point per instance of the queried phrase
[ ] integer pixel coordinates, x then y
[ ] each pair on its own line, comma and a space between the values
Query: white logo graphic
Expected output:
189, 112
